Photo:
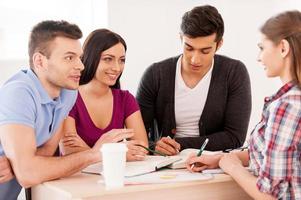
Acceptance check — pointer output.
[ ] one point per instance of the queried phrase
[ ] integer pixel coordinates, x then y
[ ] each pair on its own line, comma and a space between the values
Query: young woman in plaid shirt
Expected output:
274, 149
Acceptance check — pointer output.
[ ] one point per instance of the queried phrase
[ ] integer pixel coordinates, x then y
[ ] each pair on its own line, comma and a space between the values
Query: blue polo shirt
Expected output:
23, 100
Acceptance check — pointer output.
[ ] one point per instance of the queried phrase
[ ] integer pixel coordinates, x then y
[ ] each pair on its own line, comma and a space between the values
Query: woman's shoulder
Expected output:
124, 99
290, 101
293, 96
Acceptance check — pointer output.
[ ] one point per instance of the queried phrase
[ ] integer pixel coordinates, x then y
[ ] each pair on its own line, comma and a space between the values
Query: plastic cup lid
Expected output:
113, 147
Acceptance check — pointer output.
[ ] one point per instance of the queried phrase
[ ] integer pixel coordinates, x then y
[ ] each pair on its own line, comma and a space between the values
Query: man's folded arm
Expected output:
19, 145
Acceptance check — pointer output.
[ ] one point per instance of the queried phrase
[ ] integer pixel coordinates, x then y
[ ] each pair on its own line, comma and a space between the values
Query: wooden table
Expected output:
85, 186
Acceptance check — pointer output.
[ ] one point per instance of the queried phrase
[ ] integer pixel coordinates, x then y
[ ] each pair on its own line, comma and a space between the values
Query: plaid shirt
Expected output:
275, 145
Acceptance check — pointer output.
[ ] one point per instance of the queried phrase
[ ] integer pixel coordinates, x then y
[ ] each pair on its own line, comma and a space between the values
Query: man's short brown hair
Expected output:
45, 32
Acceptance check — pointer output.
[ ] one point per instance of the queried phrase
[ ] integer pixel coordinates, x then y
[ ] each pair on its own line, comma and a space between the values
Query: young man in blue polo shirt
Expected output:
33, 104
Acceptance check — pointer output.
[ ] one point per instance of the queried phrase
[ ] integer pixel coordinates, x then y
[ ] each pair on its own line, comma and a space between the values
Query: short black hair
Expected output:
97, 42
203, 21
46, 31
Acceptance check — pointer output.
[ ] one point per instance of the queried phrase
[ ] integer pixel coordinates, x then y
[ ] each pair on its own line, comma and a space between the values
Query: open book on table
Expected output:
151, 163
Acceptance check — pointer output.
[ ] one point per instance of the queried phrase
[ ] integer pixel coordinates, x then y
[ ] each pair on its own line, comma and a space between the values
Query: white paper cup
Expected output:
114, 160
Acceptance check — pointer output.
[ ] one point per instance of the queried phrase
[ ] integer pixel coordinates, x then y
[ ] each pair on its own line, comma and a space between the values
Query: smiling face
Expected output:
198, 53
111, 65
62, 67
271, 58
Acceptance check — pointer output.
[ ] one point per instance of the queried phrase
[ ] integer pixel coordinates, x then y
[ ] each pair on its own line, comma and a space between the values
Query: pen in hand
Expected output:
150, 150
201, 150
177, 150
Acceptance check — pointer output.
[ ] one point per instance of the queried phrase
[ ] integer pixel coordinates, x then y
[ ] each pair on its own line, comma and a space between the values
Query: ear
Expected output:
219, 44
284, 48
38, 60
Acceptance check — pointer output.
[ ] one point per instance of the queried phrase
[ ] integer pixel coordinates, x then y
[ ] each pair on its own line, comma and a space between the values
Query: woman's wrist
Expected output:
235, 168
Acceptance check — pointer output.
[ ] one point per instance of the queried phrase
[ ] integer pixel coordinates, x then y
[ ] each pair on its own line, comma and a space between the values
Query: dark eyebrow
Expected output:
108, 55
206, 48
70, 53
202, 49
188, 45
123, 56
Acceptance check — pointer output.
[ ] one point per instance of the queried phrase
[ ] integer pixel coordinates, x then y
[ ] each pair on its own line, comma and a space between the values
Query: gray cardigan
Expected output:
226, 113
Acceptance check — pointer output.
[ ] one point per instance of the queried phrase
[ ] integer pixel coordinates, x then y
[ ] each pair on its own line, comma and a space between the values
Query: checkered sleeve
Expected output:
282, 134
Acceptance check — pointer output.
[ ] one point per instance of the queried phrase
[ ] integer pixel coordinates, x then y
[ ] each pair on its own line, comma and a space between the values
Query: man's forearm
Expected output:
71, 150
45, 151
39, 169
49, 148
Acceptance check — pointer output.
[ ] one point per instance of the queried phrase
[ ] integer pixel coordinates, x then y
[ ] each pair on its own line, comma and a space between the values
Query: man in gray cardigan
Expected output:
199, 94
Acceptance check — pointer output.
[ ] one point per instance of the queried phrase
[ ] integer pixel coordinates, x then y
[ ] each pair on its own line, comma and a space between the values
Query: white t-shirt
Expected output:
189, 103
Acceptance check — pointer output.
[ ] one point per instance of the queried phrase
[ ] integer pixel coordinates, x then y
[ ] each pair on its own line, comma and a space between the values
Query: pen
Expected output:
239, 149
201, 150
150, 150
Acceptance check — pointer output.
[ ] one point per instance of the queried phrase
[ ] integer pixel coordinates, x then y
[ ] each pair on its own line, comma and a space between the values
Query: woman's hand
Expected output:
6, 172
202, 162
135, 152
74, 140
113, 136
229, 162
168, 146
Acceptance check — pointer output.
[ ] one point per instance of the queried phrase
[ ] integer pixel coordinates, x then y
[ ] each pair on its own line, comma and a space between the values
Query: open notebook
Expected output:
151, 163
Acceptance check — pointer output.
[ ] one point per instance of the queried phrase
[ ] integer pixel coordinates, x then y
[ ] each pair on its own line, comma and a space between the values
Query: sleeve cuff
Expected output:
276, 188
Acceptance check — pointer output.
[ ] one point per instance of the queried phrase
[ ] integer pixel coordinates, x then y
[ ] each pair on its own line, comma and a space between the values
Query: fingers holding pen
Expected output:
173, 143
167, 146
138, 146
165, 149
196, 162
135, 152
203, 162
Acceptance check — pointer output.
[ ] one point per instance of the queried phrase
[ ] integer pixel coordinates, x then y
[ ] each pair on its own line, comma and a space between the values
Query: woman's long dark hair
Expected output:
97, 42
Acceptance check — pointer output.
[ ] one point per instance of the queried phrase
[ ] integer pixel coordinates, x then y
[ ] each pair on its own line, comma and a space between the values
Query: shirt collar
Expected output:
284, 89
44, 96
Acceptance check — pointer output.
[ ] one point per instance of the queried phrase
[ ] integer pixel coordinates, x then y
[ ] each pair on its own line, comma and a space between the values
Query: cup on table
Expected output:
114, 161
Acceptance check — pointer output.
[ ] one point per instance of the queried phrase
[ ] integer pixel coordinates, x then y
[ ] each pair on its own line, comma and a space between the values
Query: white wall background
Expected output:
150, 28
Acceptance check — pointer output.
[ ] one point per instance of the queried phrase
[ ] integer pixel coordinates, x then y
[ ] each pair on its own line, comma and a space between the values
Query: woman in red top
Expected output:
102, 110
